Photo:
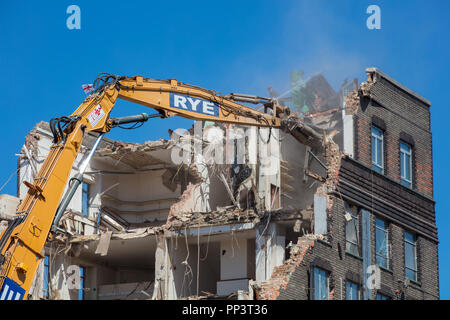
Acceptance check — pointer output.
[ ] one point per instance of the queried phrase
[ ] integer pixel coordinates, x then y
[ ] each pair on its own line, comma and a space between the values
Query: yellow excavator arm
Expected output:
21, 244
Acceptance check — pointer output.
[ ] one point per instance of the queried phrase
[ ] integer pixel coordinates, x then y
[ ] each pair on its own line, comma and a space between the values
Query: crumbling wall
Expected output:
352, 101
282, 275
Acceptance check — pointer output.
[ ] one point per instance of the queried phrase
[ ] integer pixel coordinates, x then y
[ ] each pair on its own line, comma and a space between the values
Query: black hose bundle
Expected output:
14, 223
61, 126
104, 80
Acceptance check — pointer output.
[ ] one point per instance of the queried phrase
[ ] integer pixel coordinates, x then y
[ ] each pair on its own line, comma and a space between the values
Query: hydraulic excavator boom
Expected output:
38, 215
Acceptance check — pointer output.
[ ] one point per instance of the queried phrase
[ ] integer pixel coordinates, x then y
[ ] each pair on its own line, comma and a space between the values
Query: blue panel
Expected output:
202, 106
11, 291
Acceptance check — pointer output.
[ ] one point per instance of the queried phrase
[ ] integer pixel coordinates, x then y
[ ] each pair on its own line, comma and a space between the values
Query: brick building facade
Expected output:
390, 207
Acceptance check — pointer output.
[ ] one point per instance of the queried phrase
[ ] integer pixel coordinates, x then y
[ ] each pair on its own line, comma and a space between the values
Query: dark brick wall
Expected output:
427, 286
388, 198
402, 114
344, 265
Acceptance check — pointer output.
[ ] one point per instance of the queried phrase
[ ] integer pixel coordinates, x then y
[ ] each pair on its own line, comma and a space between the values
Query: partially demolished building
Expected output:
337, 206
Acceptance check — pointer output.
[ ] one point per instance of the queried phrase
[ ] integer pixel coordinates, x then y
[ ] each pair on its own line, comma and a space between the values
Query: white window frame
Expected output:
403, 178
377, 137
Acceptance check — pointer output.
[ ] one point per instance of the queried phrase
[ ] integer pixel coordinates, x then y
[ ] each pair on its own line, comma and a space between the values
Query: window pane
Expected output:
381, 297
380, 223
410, 274
348, 291
409, 256
353, 249
381, 242
377, 149
352, 291
323, 285
404, 147
374, 150
405, 163
402, 164
408, 167
377, 132
409, 237
379, 152
350, 231
320, 284
382, 261
316, 284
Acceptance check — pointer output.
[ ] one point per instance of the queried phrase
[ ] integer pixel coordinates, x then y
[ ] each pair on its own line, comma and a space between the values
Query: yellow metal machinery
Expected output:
22, 243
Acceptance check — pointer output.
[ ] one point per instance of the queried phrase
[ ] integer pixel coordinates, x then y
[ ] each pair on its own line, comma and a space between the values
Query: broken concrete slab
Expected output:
8, 206
103, 244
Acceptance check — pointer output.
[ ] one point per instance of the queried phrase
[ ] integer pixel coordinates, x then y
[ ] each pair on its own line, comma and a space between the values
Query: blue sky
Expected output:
228, 46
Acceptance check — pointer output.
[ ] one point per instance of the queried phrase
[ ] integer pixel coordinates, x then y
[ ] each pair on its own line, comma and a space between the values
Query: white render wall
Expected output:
233, 258
348, 134
270, 250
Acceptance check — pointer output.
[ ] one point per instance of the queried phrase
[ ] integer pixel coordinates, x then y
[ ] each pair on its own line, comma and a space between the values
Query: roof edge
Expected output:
398, 84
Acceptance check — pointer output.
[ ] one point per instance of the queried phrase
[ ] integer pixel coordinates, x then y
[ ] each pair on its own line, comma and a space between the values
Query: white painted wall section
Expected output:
233, 259
320, 214
348, 134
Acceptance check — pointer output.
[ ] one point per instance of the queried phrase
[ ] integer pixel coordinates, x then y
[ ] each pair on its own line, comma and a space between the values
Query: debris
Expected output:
103, 244
140, 203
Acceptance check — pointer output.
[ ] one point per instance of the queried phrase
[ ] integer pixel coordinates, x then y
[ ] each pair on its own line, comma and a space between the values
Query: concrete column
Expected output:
159, 291
278, 247
270, 250
260, 256
175, 254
